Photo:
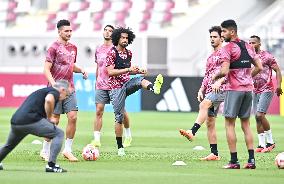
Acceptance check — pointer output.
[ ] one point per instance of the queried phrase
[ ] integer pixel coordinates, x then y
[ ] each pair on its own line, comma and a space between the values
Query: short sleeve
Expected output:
51, 55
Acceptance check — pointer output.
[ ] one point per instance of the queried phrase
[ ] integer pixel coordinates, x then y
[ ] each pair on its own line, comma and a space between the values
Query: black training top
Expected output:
32, 109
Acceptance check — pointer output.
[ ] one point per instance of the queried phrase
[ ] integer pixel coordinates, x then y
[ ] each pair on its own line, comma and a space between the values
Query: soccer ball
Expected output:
90, 153
279, 160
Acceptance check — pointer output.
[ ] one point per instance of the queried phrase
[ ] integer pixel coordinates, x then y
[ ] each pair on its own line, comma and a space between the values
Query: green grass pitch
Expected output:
156, 145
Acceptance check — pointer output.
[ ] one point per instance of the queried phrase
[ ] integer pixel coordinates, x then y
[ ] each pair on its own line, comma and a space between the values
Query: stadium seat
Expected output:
12, 5
50, 26
11, 17
106, 5
84, 5
143, 26
149, 4
97, 16
63, 6
72, 16
51, 17
120, 16
97, 26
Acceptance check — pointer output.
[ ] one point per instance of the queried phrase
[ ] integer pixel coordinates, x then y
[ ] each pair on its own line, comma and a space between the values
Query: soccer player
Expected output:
263, 93
119, 67
34, 117
214, 95
103, 89
60, 64
237, 57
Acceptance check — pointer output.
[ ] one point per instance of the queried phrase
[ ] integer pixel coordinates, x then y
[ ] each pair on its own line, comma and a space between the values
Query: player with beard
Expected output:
119, 67
60, 63
103, 89
263, 93
237, 57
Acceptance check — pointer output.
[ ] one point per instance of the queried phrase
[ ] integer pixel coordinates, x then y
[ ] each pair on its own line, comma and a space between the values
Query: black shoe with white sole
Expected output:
55, 169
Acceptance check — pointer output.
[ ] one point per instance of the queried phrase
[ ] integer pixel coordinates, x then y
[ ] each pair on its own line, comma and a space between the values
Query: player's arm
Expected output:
47, 73
223, 71
217, 84
49, 105
77, 69
257, 67
115, 72
200, 93
278, 79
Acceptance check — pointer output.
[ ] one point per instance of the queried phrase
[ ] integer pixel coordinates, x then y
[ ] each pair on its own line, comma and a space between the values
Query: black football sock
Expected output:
214, 149
150, 87
195, 128
251, 156
119, 142
51, 164
234, 157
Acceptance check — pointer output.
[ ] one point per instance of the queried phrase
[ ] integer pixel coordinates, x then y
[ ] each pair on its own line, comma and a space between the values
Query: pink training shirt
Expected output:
62, 58
100, 59
263, 80
117, 81
213, 66
239, 79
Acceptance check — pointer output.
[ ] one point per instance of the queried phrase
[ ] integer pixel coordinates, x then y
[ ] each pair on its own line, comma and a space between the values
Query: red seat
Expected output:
51, 17
63, 6
85, 5
72, 16
167, 17
143, 26
12, 5
120, 16
106, 5
50, 26
11, 17
97, 26
97, 16
149, 4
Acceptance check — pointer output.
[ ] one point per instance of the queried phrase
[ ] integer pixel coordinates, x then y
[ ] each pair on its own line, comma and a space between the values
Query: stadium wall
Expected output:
26, 54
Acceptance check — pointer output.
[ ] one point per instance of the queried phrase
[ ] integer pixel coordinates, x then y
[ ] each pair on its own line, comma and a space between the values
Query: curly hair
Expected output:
117, 34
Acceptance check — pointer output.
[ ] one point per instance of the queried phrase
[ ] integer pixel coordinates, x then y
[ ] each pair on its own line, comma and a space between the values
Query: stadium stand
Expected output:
174, 25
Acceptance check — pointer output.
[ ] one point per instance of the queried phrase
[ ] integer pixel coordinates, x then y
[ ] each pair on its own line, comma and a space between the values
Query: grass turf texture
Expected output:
156, 145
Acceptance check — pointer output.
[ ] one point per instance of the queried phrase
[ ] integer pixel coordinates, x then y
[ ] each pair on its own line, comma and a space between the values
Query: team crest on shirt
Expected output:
215, 58
73, 53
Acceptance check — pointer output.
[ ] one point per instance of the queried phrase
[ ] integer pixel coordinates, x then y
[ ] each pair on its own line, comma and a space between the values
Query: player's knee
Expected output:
210, 123
99, 113
72, 117
119, 118
60, 133
259, 117
204, 105
55, 121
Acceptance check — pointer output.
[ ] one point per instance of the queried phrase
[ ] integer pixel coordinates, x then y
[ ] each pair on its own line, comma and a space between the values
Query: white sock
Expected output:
261, 139
97, 135
127, 132
268, 135
68, 145
46, 146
